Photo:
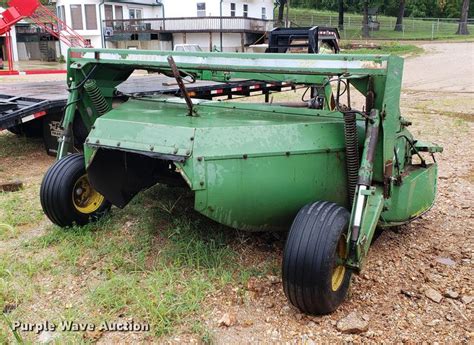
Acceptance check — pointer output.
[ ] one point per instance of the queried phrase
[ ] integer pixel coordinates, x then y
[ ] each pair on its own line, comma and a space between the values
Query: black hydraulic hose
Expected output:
87, 77
352, 153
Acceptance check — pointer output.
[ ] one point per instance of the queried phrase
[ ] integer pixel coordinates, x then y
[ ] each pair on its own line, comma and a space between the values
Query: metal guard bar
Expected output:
296, 64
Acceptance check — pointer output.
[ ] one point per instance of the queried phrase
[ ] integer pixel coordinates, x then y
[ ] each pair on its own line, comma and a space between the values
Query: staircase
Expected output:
47, 53
47, 20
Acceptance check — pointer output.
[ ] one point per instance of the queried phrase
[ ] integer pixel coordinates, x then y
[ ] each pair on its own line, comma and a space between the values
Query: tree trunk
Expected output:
462, 28
281, 11
365, 20
401, 12
341, 15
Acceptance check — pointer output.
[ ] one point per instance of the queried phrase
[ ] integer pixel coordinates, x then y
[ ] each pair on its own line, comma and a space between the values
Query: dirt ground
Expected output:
393, 295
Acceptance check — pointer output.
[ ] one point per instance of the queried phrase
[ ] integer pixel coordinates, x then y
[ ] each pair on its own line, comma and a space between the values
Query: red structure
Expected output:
41, 16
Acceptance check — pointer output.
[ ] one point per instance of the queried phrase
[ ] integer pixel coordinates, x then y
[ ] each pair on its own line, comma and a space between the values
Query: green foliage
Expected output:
414, 8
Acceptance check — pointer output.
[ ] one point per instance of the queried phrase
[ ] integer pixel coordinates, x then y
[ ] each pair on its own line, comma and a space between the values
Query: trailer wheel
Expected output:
66, 195
314, 279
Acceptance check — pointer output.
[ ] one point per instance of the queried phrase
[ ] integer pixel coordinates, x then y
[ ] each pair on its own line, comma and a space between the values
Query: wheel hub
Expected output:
85, 198
339, 270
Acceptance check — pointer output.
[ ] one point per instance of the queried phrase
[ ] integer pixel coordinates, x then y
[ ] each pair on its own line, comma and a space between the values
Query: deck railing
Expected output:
191, 24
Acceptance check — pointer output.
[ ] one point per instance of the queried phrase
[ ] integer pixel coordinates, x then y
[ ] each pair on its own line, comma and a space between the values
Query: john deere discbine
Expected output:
322, 169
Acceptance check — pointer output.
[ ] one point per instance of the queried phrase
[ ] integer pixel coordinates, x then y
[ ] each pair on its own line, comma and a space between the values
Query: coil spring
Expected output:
352, 153
96, 97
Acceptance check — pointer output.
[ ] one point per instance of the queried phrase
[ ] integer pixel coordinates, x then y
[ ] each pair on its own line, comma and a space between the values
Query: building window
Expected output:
201, 9
76, 17
135, 13
264, 13
109, 16
246, 10
118, 24
61, 15
232, 9
91, 17
118, 12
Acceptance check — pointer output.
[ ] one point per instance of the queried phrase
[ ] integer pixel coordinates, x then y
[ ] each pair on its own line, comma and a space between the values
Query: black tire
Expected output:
30, 129
315, 241
65, 197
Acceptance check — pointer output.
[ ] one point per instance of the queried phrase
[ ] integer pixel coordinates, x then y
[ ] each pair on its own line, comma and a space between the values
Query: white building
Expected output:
161, 24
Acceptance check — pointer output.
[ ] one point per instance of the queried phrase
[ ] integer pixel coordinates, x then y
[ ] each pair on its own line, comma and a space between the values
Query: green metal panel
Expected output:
139, 126
414, 196
265, 193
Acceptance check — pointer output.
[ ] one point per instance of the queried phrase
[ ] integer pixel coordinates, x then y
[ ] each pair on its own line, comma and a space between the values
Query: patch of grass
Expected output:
194, 245
3, 338
20, 208
393, 48
192, 260
198, 328
155, 261
163, 284
12, 145
15, 280
164, 297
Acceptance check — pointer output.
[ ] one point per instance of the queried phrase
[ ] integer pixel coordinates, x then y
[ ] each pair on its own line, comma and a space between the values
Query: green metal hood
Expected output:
161, 126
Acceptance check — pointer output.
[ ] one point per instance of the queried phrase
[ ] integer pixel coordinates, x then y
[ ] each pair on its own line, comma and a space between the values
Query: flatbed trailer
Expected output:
36, 109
